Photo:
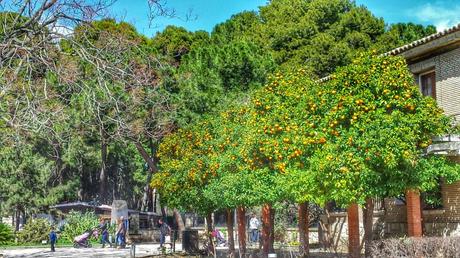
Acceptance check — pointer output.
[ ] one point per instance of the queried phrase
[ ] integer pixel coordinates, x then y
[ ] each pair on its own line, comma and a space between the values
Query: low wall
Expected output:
291, 235
392, 221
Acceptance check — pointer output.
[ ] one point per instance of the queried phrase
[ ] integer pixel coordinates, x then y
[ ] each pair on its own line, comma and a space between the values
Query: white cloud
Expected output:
441, 14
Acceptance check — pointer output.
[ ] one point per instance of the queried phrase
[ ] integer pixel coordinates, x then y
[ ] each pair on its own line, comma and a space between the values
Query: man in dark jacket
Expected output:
164, 231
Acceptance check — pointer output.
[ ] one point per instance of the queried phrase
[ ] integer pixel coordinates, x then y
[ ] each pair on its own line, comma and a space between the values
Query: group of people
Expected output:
165, 230
83, 239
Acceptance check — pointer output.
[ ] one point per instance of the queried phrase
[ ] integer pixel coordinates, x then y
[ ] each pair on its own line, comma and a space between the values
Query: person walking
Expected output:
121, 232
164, 231
104, 233
254, 228
53, 239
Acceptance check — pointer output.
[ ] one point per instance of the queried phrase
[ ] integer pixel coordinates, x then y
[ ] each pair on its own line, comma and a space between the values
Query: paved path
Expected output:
70, 252
66, 252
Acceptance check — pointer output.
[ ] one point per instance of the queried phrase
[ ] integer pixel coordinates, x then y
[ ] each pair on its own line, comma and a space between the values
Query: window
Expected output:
428, 84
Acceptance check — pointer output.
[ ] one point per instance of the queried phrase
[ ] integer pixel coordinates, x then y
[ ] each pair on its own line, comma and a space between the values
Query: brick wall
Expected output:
447, 68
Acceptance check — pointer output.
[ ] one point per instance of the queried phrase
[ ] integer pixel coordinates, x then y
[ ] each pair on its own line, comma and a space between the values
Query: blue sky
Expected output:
207, 13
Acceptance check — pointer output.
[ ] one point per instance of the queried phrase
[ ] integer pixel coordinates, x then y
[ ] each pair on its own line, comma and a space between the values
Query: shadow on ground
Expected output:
257, 254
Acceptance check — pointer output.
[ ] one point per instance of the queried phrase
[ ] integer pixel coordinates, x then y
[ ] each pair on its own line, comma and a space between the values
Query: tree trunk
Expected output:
414, 216
267, 229
152, 168
209, 229
163, 211
353, 231
17, 219
59, 163
241, 216
304, 248
272, 230
155, 202
103, 172
326, 227
179, 220
230, 239
150, 162
368, 226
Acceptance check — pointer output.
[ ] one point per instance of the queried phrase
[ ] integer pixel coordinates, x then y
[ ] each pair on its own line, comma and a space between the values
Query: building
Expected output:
435, 63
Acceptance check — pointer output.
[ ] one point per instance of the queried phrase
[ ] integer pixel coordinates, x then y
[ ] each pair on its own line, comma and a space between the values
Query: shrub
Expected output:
76, 223
35, 231
6, 234
417, 247
280, 233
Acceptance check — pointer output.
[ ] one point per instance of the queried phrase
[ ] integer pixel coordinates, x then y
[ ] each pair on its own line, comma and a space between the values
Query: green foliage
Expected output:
6, 234
25, 175
399, 34
210, 74
308, 33
76, 223
175, 42
35, 231
244, 26
318, 35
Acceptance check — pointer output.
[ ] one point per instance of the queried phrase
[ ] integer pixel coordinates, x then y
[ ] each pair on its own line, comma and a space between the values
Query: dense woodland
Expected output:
83, 113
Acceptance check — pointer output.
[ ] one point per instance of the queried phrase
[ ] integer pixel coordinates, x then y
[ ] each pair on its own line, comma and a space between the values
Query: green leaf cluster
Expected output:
35, 231
6, 234
76, 223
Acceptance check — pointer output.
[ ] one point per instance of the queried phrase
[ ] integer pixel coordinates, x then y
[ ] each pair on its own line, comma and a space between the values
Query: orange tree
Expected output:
240, 181
360, 134
186, 165
203, 167
190, 160
376, 125
284, 119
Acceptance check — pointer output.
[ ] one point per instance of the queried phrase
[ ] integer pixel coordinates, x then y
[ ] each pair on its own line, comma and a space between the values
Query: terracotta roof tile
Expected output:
413, 44
424, 40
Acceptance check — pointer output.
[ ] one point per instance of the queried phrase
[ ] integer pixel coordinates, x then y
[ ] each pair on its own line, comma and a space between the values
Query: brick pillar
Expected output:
414, 216
353, 231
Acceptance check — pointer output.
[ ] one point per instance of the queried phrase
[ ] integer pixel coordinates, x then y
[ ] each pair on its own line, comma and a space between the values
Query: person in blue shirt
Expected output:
53, 239
104, 233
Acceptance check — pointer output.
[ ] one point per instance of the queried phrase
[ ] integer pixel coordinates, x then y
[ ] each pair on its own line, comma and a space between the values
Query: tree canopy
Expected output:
85, 104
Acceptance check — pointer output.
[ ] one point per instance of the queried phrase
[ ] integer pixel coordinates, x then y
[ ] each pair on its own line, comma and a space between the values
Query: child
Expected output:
53, 239
219, 237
